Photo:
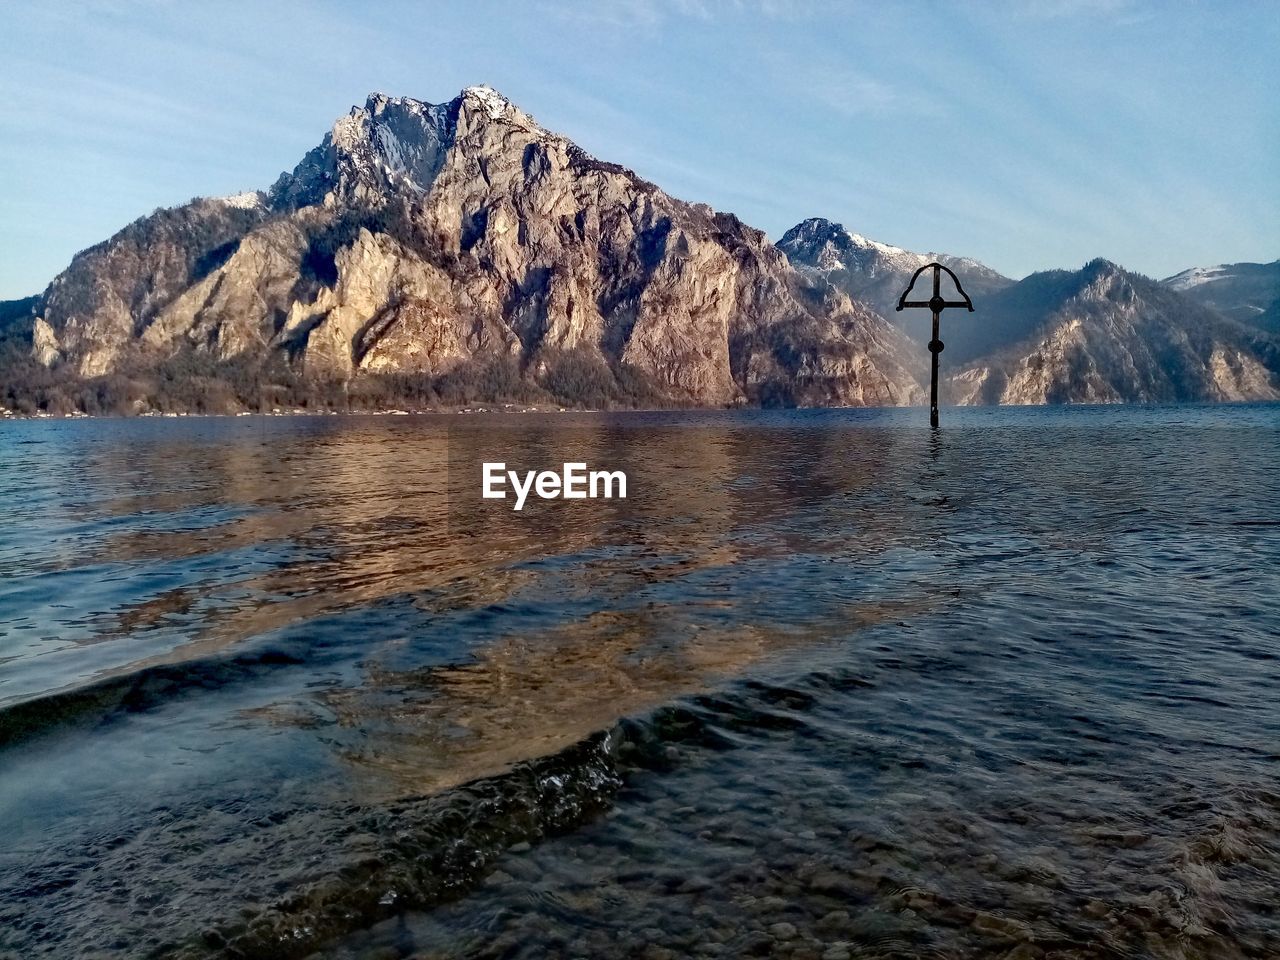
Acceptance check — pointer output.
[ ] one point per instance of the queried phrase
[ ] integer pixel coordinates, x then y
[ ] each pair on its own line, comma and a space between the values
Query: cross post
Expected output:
937, 304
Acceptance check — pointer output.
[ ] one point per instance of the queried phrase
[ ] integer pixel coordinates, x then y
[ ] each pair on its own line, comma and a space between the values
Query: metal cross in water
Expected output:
936, 304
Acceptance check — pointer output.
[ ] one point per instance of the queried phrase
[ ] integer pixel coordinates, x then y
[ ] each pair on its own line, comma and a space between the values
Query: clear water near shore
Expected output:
826, 684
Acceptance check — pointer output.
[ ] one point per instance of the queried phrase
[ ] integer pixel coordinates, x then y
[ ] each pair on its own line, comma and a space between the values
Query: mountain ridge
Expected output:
435, 254
419, 238
877, 273
1248, 292
1100, 334
1103, 334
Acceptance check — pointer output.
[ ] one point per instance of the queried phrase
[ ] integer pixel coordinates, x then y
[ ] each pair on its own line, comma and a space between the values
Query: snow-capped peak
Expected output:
829, 246
884, 249
1195, 277
494, 103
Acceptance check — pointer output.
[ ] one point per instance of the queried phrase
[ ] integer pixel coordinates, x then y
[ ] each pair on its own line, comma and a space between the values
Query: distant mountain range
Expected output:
1100, 334
1104, 335
458, 252
877, 273
1248, 292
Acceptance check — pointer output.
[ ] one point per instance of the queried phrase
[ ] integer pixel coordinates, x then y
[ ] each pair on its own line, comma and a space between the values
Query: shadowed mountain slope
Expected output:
1103, 335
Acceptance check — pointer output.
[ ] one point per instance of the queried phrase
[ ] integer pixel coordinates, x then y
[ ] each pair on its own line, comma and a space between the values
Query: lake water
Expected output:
825, 685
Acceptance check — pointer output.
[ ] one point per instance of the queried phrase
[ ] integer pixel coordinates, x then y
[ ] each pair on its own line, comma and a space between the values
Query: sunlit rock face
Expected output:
417, 237
1104, 335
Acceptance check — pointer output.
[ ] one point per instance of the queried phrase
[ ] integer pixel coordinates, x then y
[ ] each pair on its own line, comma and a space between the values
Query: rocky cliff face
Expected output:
1103, 335
420, 237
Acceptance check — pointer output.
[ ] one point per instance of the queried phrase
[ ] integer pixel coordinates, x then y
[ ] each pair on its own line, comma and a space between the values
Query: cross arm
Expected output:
936, 302
930, 304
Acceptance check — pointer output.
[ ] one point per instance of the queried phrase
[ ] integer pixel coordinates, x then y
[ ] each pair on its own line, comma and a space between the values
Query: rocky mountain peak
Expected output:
1106, 280
830, 247
464, 247
876, 273
1101, 334
461, 242
393, 145
491, 102
1102, 267
813, 230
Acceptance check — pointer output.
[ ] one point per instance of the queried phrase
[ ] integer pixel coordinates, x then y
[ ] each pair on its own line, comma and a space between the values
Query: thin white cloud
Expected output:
851, 93
788, 9
1112, 10
843, 90
629, 14
695, 9
656, 13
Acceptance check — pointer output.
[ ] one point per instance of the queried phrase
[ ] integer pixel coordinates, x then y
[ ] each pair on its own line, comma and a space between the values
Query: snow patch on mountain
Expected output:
247, 200
494, 103
828, 246
1195, 277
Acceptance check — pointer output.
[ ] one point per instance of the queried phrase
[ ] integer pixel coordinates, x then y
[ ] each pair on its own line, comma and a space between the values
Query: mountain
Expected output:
18, 349
458, 250
1103, 335
1095, 335
877, 274
1248, 292
16, 319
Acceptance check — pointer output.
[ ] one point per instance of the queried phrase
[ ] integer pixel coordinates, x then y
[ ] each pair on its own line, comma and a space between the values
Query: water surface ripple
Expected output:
825, 685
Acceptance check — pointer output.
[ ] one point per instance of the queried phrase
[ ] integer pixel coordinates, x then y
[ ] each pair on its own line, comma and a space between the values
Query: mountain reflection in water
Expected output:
271, 686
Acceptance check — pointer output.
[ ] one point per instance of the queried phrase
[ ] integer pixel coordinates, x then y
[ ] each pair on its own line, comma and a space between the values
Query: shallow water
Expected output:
825, 684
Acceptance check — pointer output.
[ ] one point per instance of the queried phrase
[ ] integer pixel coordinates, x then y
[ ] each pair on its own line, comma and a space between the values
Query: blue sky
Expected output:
1027, 133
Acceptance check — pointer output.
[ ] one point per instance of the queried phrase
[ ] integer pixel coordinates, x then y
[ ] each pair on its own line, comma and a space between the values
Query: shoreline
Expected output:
514, 408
